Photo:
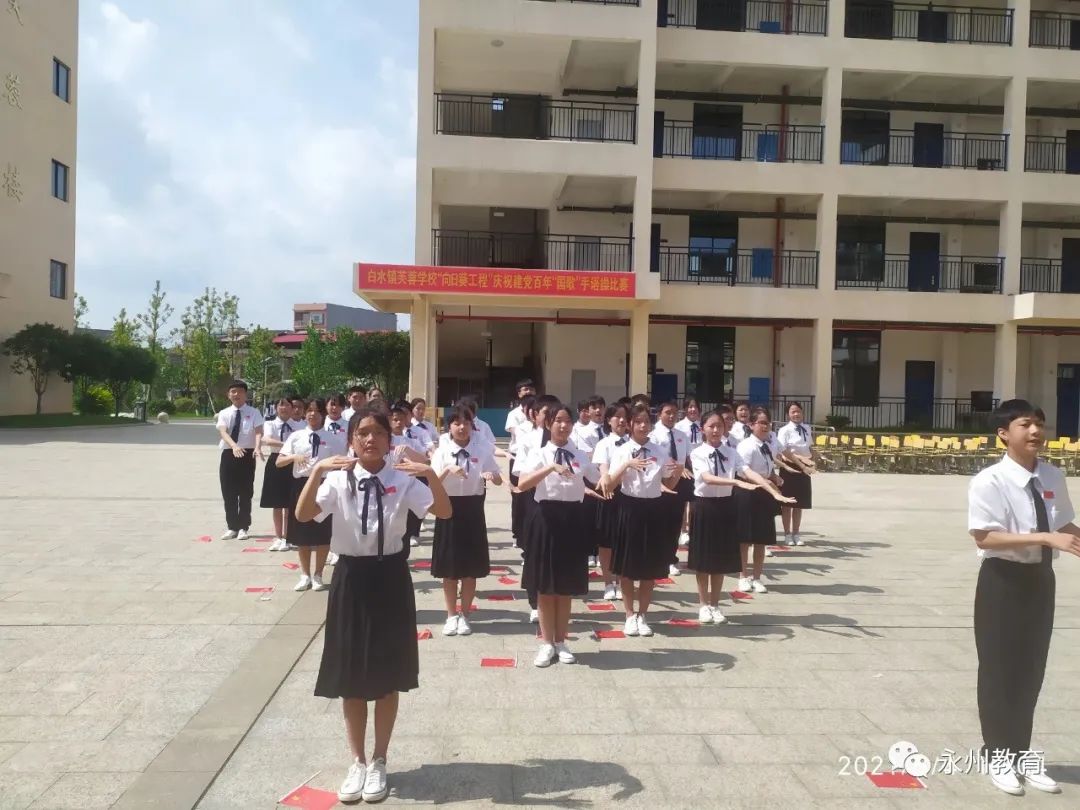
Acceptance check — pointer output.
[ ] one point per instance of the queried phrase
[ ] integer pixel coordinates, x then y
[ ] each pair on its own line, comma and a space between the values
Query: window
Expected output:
57, 279
710, 363
61, 83
59, 181
856, 367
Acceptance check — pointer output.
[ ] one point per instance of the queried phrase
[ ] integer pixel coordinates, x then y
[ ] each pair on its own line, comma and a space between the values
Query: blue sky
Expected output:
256, 146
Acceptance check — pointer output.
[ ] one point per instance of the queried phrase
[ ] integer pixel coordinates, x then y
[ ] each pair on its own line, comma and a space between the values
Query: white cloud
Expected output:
122, 45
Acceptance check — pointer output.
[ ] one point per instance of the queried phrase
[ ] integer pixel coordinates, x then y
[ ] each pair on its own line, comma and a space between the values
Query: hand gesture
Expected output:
784, 499
687, 474
488, 476
238, 452
563, 470
671, 468
746, 484
1063, 541
335, 463
413, 468
639, 464
455, 469
262, 454
398, 452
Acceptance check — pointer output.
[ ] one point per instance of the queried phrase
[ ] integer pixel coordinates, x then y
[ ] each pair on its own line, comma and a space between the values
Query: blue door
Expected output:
760, 390
1068, 399
919, 393
924, 261
665, 388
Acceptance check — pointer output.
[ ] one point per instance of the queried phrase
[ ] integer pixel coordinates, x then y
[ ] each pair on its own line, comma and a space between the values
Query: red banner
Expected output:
494, 281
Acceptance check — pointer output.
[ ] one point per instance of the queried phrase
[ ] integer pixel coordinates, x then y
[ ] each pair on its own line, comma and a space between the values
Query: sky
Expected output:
256, 146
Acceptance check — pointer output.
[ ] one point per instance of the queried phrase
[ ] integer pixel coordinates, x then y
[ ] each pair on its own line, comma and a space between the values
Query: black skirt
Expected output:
714, 537
460, 549
591, 506
759, 518
526, 502
558, 542
607, 520
369, 648
413, 524
643, 543
277, 485
312, 533
798, 486
516, 514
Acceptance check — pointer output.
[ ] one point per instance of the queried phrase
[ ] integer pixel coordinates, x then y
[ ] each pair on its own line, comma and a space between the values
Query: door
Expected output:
714, 248
760, 391
919, 393
654, 248
661, 13
1074, 39
864, 137
665, 388
514, 240
718, 131
1072, 151
658, 134
860, 252
710, 363
1070, 266
582, 384
720, 15
928, 146
519, 116
933, 25
1068, 399
869, 20
924, 261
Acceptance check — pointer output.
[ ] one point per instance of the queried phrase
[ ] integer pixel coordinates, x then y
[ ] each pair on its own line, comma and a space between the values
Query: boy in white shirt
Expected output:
238, 426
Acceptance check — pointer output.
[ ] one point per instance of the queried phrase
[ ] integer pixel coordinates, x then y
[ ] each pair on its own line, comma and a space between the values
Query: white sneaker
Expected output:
451, 626
609, 592
565, 656
744, 585
768, 552
788, 541
242, 534
643, 628
279, 544
332, 558
684, 539
594, 562
673, 570
304, 583
1007, 781
317, 584
618, 592
704, 614
534, 616
717, 616
414, 542
758, 587
545, 656
229, 535
631, 626
796, 540
375, 788
1040, 781
463, 628
353, 787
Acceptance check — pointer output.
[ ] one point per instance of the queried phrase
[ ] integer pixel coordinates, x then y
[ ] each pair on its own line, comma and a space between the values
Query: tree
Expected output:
88, 361
80, 311
40, 350
125, 331
317, 368
125, 366
230, 319
201, 326
381, 359
262, 366
153, 322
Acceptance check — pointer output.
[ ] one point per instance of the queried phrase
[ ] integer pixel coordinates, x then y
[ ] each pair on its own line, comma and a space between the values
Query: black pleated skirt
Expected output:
607, 520
714, 537
311, 533
517, 515
413, 524
526, 502
369, 649
460, 549
798, 486
758, 518
277, 485
558, 542
643, 543
591, 506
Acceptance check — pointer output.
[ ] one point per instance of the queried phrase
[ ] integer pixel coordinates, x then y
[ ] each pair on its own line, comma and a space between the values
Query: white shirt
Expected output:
481, 459
445, 440
642, 483
300, 444
606, 447
347, 414
586, 437
789, 437
701, 461
754, 458
662, 437
409, 438
514, 420
402, 494
998, 500
693, 432
250, 421
555, 487
273, 428
484, 429
430, 434
740, 431
339, 434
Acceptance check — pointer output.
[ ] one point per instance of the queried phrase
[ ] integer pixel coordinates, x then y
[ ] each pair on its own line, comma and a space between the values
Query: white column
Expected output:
1044, 378
950, 364
837, 16
643, 185
1021, 22
425, 114
832, 110
822, 369
432, 392
1010, 236
1015, 123
419, 345
639, 348
825, 241
1005, 361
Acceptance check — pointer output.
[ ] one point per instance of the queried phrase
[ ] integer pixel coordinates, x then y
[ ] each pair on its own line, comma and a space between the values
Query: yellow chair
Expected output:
821, 440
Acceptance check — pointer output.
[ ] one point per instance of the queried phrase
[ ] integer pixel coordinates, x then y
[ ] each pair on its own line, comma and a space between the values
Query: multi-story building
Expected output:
38, 60
872, 207
328, 317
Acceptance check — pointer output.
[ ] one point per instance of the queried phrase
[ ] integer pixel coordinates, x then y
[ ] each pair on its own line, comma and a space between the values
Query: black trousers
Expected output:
1014, 618
237, 476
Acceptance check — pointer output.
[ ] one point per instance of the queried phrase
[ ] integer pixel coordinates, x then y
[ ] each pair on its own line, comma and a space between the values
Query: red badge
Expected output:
1048, 494
390, 490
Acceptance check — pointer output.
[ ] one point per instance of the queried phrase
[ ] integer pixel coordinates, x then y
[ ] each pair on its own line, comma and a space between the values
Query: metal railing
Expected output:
599, 2
532, 251
534, 117
893, 271
1045, 276
954, 414
929, 23
955, 150
809, 17
777, 404
765, 143
1047, 153
1051, 29
758, 267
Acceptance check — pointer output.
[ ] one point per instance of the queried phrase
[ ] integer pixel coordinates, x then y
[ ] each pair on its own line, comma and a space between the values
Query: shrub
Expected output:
838, 421
161, 406
96, 399
184, 405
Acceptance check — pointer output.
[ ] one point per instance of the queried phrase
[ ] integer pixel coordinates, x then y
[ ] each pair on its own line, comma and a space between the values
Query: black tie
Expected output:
564, 457
286, 429
599, 431
671, 445
462, 459
315, 442
367, 486
717, 461
765, 451
335, 427
622, 441
802, 431
234, 431
641, 452
1042, 521
694, 431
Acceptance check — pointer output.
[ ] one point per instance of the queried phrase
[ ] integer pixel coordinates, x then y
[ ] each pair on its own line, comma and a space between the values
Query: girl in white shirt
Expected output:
740, 429
370, 647
690, 424
405, 444
618, 425
642, 552
460, 550
277, 481
558, 537
336, 423
419, 409
796, 442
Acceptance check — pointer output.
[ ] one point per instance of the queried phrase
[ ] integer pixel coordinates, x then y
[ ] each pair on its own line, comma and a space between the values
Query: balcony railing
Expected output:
599, 2
1046, 276
759, 267
900, 412
765, 143
952, 150
532, 251
1046, 153
777, 404
1050, 29
929, 23
764, 16
534, 117
930, 273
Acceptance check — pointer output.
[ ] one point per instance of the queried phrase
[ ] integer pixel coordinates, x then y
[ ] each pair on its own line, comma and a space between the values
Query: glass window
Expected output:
61, 80
59, 181
856, 367
57, 279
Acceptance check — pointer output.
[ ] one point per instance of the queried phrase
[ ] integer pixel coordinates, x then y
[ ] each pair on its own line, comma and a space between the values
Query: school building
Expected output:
871, 207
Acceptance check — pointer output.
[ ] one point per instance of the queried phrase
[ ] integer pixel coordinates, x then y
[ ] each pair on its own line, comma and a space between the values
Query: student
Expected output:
277, 481
357, 398
370, 648
558, 535
796, 443
418, 406
518, 436
715, 541
587, 433
404, 443
539, 415
675, 445
741, 428
482, 428
303, 450
523, 389
337, 425
618, 426
460, 550
690, 424
239, 426
642, 549
1021, 517
759, 517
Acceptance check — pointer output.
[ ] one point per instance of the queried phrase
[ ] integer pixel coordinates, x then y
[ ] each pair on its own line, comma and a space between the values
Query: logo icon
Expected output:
904, 756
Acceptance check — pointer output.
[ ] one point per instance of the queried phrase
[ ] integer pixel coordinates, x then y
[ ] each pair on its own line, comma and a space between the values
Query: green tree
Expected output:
233, 334
201, 327
262, 365
317, 368
41, 350
81, 309
89, 361
125, 366
381, 359
154, 323
125, 331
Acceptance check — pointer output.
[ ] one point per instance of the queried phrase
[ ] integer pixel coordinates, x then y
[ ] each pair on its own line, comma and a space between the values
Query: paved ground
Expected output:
136, 672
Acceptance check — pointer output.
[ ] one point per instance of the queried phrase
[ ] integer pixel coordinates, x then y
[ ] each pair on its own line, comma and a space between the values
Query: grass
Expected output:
52, 420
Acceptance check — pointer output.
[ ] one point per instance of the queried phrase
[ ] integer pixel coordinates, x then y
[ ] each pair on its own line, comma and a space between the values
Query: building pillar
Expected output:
425, 115
1043, 377
822, 369
825, 241
1010, 236
832, 108
643, 185
433, 358
950, 363
1021, 23
420, 328
639, 348
837, 17
1005, 361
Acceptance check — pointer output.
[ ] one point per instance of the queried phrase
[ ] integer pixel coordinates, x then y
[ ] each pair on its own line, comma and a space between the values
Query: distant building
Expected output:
328, 317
